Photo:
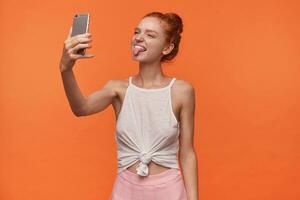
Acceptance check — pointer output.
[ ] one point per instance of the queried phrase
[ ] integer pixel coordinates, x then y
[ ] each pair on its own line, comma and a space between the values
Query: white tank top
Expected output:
147, 129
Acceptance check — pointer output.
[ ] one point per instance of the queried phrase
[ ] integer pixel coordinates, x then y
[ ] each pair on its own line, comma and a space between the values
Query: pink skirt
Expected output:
167, 185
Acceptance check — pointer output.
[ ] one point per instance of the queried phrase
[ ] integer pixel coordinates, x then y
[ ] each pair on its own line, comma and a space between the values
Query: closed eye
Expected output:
135, 32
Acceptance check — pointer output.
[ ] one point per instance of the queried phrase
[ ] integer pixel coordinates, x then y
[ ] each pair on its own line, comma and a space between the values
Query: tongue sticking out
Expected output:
137, 50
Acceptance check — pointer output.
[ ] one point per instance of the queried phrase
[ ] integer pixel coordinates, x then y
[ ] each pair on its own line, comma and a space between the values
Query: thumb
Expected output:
88, 56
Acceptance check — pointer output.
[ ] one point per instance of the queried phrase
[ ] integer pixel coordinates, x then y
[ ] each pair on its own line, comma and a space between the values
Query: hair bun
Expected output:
176, 21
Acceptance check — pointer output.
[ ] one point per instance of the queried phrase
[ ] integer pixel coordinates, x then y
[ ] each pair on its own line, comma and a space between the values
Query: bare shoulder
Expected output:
121, 83
116, 84
184, 87
185, 93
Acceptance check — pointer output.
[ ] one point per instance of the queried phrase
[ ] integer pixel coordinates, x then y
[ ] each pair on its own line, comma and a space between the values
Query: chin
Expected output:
142, 58
135, 58
138, 58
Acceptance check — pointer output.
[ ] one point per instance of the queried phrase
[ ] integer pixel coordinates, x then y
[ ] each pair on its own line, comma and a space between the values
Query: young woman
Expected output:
154, 114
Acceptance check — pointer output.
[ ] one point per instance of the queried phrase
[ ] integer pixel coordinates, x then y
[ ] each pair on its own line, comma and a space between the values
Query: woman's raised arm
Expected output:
81, 105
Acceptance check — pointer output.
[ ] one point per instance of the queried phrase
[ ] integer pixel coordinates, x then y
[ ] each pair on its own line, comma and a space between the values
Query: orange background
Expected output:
241, 56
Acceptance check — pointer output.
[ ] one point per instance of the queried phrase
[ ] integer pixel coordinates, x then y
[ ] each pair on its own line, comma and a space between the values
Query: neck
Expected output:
150, 72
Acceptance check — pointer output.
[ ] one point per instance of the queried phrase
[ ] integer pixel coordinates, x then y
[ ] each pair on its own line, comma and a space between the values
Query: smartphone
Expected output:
80, 25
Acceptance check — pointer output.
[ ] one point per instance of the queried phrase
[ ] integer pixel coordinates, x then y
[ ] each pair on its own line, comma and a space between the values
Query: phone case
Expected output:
80, 26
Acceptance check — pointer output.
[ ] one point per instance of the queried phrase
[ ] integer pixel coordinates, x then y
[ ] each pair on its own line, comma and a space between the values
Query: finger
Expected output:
80, 46
84, 35
78, 56
87, 56
78, 41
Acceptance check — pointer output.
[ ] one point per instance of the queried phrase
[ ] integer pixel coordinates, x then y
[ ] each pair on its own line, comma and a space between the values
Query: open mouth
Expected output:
137, 49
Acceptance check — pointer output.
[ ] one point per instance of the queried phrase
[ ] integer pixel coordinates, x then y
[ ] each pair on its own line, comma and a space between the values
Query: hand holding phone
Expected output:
80, 26
76, 43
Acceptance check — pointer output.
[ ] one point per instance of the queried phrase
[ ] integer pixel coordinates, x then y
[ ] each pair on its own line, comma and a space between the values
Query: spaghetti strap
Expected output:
130, 80
152, 89
172, 82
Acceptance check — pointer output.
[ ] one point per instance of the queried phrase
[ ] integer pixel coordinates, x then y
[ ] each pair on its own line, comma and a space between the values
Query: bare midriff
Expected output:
153, 168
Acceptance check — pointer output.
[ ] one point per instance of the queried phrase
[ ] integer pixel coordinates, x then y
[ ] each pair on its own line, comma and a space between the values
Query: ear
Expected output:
168, 49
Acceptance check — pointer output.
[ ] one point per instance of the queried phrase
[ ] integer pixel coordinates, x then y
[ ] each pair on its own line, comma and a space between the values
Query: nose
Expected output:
139, 38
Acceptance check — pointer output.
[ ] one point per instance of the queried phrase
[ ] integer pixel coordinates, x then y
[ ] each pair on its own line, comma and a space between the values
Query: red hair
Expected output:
173, 27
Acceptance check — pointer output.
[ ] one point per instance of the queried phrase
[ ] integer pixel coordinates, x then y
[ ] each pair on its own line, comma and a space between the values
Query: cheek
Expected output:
132, 40
156, 46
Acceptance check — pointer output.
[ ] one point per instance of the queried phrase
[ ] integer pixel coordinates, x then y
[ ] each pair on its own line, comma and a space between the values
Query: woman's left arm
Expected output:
187, 155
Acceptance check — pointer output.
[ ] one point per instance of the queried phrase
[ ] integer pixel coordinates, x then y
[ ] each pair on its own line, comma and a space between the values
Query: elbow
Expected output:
79, 112
187, 155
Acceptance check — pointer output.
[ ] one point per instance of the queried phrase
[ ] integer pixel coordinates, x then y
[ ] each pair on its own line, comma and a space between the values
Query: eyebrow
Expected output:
147, 30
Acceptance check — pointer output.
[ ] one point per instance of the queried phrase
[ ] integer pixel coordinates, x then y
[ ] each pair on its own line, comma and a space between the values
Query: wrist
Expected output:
64, 68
